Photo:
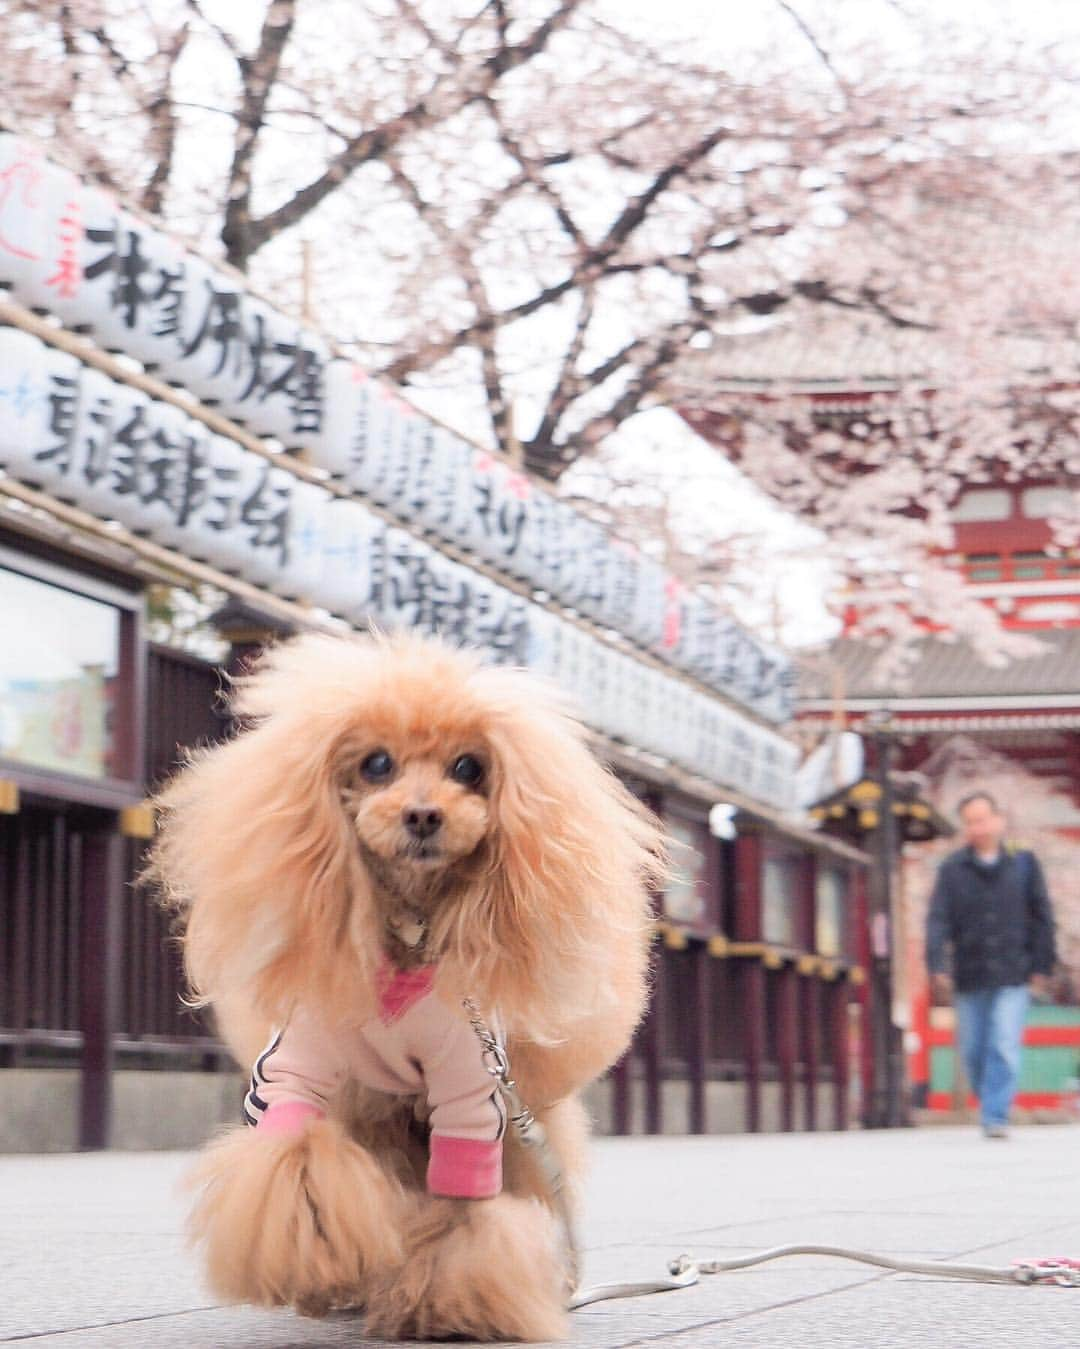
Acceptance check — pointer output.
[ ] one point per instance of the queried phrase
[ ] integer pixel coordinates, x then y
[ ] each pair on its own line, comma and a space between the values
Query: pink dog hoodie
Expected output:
417, 1045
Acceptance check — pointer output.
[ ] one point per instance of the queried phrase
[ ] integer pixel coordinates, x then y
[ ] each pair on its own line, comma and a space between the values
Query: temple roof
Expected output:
948, 673
858, 354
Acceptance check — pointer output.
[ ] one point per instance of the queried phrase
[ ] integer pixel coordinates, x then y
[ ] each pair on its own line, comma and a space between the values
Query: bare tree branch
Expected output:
812, 38
568, 382
163, 127
258, 74
445, 98
225, 37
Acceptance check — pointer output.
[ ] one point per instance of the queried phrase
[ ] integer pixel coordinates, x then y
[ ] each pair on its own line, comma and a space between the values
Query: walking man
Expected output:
991, 907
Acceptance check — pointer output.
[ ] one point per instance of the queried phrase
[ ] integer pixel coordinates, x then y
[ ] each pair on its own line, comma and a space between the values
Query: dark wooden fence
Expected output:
54, 936
723, 1018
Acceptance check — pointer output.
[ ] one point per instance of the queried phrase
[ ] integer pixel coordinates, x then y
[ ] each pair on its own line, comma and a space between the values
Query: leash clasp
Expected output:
1058, 1270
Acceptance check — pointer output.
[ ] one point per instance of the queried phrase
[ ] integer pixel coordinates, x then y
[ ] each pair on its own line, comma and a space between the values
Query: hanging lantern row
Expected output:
70, 249
71, 431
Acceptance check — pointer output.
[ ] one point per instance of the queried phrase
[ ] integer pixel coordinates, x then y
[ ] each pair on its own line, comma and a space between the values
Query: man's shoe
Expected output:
995, 1131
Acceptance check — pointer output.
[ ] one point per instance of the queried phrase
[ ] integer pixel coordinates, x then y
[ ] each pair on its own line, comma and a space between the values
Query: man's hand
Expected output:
941, 989
1039, 987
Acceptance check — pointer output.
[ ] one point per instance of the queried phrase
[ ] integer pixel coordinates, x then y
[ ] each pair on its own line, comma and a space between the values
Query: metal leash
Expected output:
684, 1271
532, 1136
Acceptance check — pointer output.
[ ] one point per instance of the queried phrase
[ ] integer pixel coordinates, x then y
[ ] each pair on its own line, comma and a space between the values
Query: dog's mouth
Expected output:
424, 851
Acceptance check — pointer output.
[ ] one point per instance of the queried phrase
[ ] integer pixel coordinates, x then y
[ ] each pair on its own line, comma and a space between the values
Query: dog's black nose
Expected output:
422, 821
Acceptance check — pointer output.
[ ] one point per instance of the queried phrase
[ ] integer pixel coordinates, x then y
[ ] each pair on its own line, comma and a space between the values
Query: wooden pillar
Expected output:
787, 1041
748, 868
698, 1037
650, 1050
811, 1047
99, 976
863, 947
753, 1001
887, 1086
621, 1077
838, 1029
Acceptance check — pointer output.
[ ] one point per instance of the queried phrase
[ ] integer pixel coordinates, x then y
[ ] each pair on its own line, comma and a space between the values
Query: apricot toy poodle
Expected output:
394, 829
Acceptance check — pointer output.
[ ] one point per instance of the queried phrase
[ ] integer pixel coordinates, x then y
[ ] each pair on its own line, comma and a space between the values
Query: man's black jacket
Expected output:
997, 919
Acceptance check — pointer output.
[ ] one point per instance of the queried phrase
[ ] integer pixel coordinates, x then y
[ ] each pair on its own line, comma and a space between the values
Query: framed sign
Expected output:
72, 682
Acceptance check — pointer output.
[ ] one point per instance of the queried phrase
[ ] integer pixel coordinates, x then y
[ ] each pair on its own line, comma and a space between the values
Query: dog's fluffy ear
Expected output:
558, 929
256, 855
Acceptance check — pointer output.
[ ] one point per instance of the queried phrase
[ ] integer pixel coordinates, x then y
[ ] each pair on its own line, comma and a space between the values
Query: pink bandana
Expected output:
401, 989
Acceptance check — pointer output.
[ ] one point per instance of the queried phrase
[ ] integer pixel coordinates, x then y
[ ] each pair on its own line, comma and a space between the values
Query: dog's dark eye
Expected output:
377, 766
468, 770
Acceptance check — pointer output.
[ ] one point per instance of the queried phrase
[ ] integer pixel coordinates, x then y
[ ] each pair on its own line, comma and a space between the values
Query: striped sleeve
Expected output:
255, 1103
301, 1068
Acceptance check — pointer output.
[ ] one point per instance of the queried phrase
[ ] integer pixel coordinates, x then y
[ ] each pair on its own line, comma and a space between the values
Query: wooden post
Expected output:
748, 868
887, 1105
697, 1048
650, 1050
864, 949
811, 1038
838, 1029
753, 1000
620, 1093
99, 977
787, 1041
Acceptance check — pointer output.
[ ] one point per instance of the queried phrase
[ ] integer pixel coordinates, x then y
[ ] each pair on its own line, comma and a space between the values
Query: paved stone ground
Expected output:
91, 1255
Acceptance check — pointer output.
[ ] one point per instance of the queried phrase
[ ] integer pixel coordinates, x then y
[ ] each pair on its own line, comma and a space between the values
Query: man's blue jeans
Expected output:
990, 1028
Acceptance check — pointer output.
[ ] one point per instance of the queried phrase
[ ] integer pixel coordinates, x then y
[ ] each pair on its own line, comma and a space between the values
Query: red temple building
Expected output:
953, 722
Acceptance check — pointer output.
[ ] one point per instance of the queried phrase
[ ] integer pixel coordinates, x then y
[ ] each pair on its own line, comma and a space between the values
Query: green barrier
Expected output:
1045, 1070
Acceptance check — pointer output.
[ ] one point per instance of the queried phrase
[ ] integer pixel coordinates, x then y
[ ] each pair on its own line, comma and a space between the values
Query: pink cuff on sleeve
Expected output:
465, 1168
287, 1117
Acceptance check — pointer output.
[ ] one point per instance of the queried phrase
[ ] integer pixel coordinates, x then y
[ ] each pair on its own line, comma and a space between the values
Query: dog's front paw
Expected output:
307, 1220
487, 1269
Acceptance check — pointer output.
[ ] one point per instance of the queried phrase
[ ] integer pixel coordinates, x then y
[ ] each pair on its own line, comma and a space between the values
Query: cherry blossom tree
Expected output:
557, 218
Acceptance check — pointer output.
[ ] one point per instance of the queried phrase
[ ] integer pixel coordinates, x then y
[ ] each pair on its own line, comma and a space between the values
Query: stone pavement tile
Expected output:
898, 1313
86, 1279
930, 1233
604, 1326
903, 1311
106, 1192
91, 1253
92, 1237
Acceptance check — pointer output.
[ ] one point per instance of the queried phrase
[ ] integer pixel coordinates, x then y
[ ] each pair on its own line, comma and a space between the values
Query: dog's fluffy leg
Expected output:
488, 1269
307, 1220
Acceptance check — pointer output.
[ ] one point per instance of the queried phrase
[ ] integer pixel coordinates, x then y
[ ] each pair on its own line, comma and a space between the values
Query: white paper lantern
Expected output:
107, 442
301, 575
438, 479
155, 472
374, 444
542, 647
38, 404
344, 433
178, 477
40, 225
216, 529
131, 290
407, 580
276, 384
354, 560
